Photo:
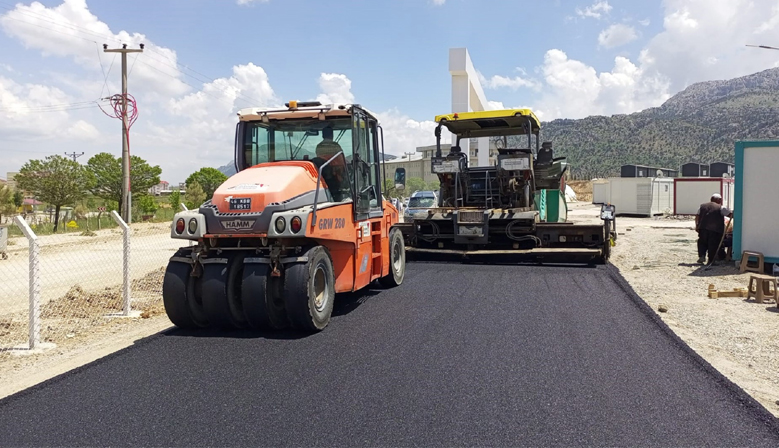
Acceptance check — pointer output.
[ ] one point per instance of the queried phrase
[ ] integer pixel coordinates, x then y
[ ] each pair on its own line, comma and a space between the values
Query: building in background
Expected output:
160, 188
418, 164
9, 179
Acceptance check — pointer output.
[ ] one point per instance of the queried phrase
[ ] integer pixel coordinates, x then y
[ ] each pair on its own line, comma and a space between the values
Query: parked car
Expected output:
421, 202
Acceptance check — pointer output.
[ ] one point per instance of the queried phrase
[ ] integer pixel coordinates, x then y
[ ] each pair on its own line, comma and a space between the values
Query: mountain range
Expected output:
699, 124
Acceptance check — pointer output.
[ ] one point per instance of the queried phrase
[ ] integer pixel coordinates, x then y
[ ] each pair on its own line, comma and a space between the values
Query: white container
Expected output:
691, 192
600, 191
646, 196
756, 214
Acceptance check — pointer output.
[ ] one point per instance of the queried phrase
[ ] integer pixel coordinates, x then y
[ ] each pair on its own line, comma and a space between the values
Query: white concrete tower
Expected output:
468, 96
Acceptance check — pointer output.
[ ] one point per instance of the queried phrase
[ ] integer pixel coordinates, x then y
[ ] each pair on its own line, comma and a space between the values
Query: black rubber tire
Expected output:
262, 297
195, 301
234, 287
215, 293
301, 281
174, 293
397, 248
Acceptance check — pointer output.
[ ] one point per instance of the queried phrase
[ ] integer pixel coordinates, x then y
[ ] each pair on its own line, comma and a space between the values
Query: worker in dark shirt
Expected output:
710, 225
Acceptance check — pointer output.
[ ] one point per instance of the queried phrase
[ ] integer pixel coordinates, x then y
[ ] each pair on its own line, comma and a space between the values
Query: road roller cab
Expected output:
304, 218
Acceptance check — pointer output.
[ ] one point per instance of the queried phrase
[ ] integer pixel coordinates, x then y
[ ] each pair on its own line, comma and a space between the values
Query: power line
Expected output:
74, 155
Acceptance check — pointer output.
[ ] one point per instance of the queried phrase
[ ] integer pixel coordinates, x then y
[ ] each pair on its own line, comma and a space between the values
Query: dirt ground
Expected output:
656, 255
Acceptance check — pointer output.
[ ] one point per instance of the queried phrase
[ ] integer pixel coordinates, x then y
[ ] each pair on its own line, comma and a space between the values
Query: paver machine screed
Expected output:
303, 219
516, 207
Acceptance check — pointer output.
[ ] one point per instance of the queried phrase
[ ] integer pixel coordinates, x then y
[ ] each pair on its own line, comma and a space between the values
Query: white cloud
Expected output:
498, 81
575, 90
595, 11
703, 41
644, 22
495, 105
39, 112
248, 2
70, 30
439, 2
403, 134
336, 88
617, 35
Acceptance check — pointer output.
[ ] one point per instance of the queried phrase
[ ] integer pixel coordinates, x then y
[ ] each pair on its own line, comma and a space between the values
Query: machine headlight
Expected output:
180, 226
280, 224
192, 227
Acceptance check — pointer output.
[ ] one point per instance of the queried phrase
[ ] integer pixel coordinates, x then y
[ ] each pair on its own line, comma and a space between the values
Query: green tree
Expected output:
7, 206
107, 170
56, 180
18, 198
433, 185
147, 205
414, 184
390, 191
175, 200
195, 195
209, 179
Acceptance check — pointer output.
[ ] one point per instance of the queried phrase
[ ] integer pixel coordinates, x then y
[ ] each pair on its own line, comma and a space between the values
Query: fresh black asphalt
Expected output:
459, 355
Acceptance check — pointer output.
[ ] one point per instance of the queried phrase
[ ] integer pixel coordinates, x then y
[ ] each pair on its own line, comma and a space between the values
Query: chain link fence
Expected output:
79, 281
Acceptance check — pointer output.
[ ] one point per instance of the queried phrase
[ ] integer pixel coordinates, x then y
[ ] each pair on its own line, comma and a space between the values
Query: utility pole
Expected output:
74, 155
126, 193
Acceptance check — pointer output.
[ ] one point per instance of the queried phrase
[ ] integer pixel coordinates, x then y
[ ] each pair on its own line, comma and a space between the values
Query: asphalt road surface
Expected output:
458, 355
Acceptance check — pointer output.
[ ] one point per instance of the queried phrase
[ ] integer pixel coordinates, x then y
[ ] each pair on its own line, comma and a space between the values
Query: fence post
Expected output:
127, 279
35, 283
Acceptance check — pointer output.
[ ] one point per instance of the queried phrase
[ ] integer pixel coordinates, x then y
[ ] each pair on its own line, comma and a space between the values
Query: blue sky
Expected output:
207, 58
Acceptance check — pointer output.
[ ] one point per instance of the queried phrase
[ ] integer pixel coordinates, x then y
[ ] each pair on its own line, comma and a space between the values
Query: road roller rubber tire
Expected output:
262, 297
397, 248
309, 291
215, 291
174, 293
234, 281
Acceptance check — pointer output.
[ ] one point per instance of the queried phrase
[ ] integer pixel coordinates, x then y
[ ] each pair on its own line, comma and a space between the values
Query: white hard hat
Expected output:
716, 196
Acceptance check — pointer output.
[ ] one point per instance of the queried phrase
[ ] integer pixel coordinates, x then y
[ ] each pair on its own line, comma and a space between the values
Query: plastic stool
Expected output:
762, 288
745, 266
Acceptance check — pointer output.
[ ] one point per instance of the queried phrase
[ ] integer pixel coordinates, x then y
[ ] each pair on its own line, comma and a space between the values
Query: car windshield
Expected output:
421, 202
296, 140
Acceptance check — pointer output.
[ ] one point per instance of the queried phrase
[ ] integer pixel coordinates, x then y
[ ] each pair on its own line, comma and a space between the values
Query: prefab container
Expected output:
646, 171
600, 191
690, 193
756, 214
641, 196
720, 169
636, 171
693, 169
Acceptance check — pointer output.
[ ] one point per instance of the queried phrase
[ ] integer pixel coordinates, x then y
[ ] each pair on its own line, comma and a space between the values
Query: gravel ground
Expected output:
739, 337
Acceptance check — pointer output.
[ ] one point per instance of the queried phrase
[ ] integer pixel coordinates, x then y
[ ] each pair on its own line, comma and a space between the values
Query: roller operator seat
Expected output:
333, 174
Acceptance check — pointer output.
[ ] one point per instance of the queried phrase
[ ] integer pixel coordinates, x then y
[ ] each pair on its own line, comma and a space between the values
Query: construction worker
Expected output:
334, 174
710, 225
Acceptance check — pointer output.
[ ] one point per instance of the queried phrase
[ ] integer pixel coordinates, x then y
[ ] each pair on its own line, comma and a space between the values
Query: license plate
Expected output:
240, 203
238, 224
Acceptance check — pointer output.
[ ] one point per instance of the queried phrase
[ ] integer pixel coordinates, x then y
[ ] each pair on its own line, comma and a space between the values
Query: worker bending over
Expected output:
710, 225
